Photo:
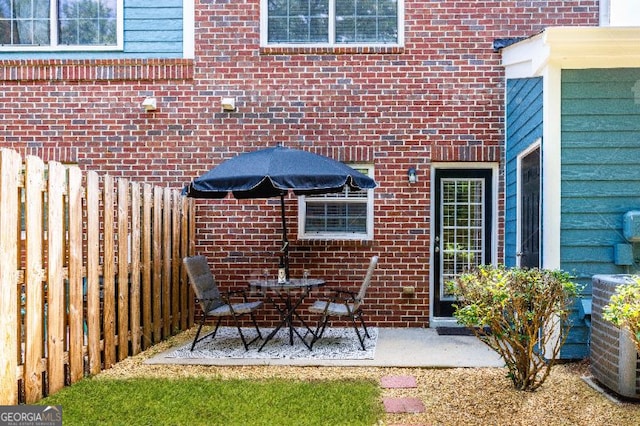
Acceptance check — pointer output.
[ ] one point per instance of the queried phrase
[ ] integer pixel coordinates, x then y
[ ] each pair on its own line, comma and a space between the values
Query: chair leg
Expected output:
215, 330
361, 317
244, 341
195, 339
255, 324
212, 334
364, 326
322, 324
355, 327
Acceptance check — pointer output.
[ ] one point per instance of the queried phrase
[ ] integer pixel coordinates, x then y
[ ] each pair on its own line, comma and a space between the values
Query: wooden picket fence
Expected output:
90, 273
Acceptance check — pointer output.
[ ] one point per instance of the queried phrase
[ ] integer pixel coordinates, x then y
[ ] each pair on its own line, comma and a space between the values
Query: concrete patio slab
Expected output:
397, 347
423, 347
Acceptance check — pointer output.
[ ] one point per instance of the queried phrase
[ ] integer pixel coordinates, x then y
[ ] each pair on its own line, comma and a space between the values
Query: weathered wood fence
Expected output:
90, 273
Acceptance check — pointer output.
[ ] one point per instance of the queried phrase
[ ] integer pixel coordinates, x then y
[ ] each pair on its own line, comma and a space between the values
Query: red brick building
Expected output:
427, 94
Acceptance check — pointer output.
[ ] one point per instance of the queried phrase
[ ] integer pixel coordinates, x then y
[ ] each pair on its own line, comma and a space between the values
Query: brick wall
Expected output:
437, 99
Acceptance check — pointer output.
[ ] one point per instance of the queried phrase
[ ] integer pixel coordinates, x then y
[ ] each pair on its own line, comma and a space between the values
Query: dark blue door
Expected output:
529, 253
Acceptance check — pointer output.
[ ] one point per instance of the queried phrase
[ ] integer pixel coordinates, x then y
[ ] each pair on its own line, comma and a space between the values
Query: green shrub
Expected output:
526, 311
623, 309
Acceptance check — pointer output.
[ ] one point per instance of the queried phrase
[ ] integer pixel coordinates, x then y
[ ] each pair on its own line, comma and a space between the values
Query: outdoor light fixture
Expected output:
228, 104
413, 175
150, 104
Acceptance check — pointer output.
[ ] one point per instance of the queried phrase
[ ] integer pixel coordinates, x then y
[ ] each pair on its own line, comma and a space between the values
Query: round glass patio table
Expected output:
286, 298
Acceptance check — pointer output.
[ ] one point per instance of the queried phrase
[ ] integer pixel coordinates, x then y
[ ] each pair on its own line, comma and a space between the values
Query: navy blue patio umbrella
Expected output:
273, 172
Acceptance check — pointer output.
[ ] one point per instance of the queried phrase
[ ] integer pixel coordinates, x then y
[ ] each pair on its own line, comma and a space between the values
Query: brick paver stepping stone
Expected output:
403, 405
398, 382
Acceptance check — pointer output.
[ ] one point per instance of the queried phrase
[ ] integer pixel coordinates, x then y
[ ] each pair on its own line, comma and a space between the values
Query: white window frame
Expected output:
619, 13
362, 236
264, 30
53, 36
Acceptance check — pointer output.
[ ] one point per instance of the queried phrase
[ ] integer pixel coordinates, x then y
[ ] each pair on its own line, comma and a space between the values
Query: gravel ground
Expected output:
459, 396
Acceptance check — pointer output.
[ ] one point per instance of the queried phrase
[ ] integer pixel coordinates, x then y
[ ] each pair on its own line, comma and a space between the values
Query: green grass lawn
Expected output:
189, 401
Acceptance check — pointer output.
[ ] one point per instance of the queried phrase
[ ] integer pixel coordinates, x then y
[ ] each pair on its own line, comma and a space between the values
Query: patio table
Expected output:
286, 298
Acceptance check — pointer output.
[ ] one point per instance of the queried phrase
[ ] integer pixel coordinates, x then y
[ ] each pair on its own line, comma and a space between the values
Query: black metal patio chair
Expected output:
214, 303
344, 303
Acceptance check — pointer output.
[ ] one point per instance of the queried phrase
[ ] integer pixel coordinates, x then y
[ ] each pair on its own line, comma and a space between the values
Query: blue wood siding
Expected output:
152, 29
600, 157
600, 167
524, 127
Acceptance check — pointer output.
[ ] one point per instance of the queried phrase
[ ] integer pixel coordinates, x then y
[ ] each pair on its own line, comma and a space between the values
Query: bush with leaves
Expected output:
623, 309
526, 312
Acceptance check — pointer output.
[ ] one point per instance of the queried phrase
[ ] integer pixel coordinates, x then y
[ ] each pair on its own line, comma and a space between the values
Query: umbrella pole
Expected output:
285, 241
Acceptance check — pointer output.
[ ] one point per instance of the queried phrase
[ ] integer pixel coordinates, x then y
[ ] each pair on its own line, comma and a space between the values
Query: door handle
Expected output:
436, 246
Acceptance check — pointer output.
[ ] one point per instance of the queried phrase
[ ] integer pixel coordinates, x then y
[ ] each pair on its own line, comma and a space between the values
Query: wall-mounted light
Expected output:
150, 104
228, 104
412, 175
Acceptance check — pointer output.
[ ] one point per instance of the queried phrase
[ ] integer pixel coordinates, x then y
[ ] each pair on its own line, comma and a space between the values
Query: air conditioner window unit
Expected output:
615, 362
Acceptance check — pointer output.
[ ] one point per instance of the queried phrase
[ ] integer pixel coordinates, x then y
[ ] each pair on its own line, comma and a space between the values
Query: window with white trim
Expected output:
332, 22
346, 215
60, 24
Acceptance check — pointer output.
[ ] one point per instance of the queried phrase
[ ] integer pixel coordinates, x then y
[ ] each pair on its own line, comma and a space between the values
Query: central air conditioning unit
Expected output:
614, 359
